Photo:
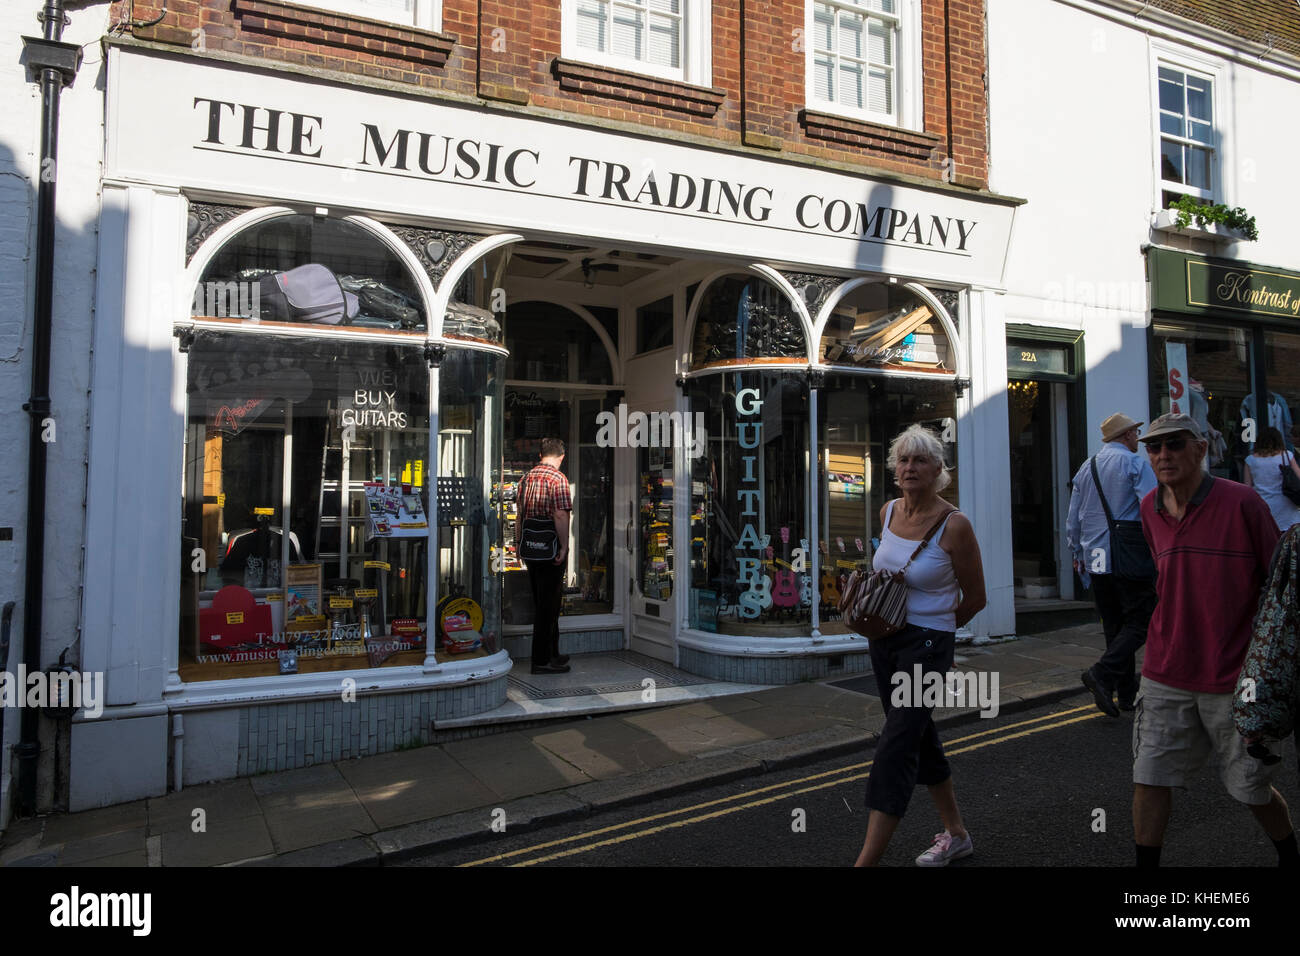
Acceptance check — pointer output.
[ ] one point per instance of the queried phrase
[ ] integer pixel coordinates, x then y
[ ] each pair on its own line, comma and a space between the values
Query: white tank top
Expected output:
932, 591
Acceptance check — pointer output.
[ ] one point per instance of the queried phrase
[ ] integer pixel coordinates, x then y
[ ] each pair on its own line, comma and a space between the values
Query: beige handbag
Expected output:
874, 603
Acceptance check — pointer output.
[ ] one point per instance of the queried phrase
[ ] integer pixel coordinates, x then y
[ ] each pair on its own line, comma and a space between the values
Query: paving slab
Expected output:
406, 786
401, 842
107, 844
512, 766
70, 827
221, 802
222, 842
664, 781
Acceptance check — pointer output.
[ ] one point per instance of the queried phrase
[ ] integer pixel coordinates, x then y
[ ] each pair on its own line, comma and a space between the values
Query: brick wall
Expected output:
510, 51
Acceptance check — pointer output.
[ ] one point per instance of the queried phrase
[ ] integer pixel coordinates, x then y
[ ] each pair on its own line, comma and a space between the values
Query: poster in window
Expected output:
302, 598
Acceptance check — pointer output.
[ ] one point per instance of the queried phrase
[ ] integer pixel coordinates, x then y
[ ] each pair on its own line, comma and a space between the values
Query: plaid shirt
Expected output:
546, 491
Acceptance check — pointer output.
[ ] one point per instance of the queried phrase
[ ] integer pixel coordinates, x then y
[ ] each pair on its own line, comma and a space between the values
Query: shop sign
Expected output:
370, 399
1029, 358
1242, 290
1185, 283
233, 130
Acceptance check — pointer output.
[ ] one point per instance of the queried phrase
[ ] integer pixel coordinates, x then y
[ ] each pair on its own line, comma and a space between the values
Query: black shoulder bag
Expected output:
1130, 557
1290, 483
540, 541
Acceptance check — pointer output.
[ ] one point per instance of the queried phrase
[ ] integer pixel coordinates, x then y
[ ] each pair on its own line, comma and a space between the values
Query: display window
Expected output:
296, 270
306, 506
745, 320
887, 326
309, 492
1282, 365
470, 504
1208, 369
750, 568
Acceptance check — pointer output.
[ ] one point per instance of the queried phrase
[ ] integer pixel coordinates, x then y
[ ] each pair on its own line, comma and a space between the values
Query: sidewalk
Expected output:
372, 810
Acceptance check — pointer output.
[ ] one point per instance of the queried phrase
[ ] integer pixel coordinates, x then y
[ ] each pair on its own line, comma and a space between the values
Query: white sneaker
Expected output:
945, 850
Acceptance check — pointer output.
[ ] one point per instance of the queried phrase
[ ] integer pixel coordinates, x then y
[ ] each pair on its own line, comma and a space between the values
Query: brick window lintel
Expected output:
637, 87
890, 139
345, 30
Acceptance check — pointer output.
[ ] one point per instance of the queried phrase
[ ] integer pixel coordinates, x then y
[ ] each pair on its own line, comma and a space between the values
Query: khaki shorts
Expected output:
1174, 731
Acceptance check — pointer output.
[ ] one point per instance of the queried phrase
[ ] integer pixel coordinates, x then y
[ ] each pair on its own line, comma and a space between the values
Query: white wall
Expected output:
1073, 131
81, 133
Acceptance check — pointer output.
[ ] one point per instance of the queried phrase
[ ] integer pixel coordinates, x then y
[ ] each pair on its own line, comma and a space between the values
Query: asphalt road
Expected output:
1045, 787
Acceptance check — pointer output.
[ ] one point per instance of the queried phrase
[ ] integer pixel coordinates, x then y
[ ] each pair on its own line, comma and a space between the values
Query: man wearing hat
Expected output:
1212, 540
1124, 603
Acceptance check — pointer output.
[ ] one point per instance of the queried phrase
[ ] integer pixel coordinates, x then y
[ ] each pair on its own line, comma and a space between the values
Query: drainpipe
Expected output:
54, 64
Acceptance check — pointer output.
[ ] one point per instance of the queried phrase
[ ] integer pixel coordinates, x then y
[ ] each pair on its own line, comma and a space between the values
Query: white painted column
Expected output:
985, 458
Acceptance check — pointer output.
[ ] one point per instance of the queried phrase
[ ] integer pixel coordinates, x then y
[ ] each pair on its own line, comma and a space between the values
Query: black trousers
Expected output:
908, 751
546, 578
1125, 607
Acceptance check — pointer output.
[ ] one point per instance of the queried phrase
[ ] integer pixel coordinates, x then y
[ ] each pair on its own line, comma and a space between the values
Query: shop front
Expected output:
333, 329
1225, 349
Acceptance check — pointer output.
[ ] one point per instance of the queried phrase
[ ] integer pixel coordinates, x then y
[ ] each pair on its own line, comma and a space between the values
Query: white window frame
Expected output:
425, 14
1205, 69
697, 46
909, 109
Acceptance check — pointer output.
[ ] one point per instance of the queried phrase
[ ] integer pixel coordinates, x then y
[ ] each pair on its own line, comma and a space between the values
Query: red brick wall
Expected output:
512, 53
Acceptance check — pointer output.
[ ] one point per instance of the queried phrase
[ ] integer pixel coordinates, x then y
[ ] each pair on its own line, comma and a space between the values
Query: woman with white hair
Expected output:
945, 589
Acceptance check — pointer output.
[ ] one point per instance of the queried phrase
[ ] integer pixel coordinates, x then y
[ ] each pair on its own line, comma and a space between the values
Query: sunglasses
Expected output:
1173, 444
1260, 752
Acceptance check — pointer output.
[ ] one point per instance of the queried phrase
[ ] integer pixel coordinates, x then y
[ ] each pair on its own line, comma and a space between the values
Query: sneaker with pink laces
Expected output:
946, 849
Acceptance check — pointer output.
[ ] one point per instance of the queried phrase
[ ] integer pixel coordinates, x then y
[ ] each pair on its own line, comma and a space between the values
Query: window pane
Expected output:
882, 91
851, 40
1171, 162
886, 326
858, 416
305, 270
1171, 124
851, 85
1171, 91
1199, 100
744, 318
1198, 168
356, 420
880, 44
1218, 380
592, 25
748, 513
823, 78
629, 30
823, 27
1201, 132
665, 41
666, 6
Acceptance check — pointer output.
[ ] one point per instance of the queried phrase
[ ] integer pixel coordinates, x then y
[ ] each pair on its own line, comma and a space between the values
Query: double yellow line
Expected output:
786, 790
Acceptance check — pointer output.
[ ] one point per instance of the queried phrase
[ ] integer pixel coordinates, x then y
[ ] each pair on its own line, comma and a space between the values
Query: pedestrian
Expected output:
1263, 472
542, 542
945, 589
1212, 540
1109, 488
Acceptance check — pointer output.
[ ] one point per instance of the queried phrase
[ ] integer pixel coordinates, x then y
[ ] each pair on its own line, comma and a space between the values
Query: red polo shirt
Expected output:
1211, 568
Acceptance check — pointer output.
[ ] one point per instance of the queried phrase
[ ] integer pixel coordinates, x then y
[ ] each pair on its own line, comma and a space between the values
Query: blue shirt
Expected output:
1126, 478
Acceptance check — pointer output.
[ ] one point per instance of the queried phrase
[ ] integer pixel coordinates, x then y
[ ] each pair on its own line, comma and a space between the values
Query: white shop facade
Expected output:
333, 324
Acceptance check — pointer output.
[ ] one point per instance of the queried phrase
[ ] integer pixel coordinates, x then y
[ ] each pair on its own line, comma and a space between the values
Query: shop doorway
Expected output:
1044, 405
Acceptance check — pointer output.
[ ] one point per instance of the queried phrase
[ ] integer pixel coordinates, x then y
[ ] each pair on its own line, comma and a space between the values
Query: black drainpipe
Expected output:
54, 64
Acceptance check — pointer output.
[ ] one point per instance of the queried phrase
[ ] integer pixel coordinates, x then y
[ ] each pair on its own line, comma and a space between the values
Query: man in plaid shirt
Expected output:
545, 495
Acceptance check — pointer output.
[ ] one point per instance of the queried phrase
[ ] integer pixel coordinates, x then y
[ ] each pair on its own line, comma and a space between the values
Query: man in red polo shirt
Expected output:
1212, 540
545, 500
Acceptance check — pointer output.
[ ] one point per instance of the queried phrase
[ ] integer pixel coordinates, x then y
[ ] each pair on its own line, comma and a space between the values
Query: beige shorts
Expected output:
1174, 731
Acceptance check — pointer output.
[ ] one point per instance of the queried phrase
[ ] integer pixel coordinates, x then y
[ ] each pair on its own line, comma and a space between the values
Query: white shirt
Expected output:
932, 590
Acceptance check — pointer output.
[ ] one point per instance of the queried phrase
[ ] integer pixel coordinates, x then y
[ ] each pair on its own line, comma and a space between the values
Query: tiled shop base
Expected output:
275, 737
772, 670
595, 674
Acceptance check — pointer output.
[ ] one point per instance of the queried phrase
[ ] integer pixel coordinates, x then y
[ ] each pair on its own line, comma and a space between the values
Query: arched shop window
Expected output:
883, 325
305, 269
743, 319
559, 371
308, 491
750, 566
